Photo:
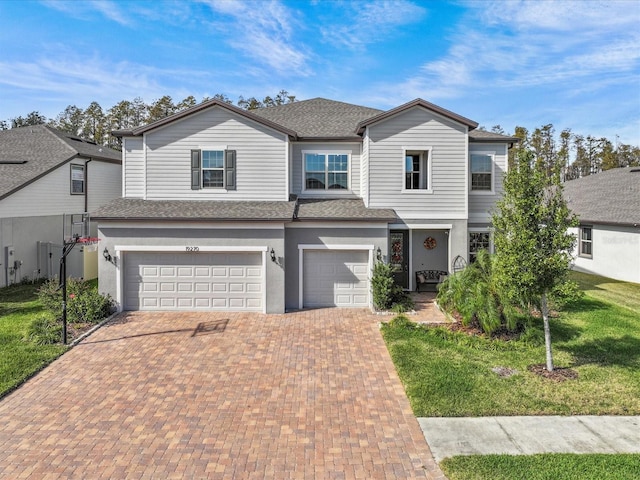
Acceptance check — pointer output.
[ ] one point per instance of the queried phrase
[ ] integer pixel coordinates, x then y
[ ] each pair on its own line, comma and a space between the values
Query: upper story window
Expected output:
214, 168
326, 171
481, 172
416, 170
586, 242
77, 179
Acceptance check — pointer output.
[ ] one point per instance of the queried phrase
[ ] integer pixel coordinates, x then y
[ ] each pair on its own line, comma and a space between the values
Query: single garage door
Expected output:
193, 281
336, 278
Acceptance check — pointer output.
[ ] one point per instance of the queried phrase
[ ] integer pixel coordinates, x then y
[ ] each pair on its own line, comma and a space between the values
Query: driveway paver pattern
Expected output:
310, 394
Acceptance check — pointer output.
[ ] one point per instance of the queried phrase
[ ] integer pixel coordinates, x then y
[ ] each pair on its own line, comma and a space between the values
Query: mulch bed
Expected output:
559, 374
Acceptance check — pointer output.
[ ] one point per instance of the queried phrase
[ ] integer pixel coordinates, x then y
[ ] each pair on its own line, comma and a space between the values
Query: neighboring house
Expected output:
44, 174
289, 207
608, 205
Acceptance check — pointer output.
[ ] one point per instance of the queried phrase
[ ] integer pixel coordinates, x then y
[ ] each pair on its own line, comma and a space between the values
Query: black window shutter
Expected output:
195, 170
230, 169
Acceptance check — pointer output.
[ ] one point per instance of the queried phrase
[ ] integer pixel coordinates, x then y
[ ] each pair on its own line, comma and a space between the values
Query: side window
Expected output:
416, 170
77, 179
586, 242
478, 241
213, 169
481, 172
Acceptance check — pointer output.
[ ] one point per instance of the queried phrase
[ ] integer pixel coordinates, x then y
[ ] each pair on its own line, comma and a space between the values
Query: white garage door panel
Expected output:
193, 281
336, 278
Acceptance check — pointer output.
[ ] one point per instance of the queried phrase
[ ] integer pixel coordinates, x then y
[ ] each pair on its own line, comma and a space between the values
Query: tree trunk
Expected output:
544, 307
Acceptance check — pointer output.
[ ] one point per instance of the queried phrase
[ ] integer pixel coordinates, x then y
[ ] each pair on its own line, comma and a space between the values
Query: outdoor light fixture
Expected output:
107, 256
379, 254
273, 255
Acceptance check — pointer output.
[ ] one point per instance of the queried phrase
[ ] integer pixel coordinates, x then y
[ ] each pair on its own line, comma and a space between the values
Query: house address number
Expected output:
192, 249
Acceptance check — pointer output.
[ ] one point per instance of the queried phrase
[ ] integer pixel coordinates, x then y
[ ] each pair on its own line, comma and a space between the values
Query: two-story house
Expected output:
289, 207
46, 175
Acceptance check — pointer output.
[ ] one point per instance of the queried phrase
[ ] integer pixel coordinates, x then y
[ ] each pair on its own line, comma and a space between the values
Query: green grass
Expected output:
450, 373
624, 294
20, 359
542, 467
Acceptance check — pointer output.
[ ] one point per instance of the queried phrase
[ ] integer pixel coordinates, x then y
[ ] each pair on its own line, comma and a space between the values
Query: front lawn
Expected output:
448, 373
542, 467
19, 358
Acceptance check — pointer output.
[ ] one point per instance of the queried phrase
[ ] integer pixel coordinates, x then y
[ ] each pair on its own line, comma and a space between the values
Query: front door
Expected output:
399, 256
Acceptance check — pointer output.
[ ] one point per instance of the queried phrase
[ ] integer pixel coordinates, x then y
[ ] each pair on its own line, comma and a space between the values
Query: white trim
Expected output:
183, 248
467, 169
426, 163
420, 226
144, 166
120, 249
142, 224
431, 216
325, 191
350, 225
492, 155
287, 167
322, 246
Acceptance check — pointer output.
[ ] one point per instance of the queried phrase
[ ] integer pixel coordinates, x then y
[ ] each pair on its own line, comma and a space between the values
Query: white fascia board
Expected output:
287, 167
191, 225
421, 226
348, 225
185, 248
322, 246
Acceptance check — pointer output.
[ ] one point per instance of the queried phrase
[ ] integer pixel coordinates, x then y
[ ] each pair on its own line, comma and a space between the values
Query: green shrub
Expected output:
386, 294
474, 294
44, 330
84, 303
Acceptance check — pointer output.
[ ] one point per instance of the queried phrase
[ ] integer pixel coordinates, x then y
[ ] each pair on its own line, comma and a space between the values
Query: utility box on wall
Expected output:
9, 256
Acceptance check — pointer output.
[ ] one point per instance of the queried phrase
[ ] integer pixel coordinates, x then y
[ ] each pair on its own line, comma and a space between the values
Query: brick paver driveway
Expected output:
311, 394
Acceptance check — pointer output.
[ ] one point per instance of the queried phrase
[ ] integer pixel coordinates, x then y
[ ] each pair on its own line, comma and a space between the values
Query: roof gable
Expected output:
28, 153
418, 102
199, 108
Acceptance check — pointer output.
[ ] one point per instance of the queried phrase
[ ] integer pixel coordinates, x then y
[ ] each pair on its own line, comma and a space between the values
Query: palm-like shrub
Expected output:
475, 295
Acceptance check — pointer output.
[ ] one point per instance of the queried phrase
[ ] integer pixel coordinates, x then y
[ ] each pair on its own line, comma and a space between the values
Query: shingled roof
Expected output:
319, 118
28, 153
482, 136
194, 210
611, 197
342, 209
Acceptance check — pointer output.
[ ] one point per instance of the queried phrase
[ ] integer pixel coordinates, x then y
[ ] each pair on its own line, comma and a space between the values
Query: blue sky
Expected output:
528, 63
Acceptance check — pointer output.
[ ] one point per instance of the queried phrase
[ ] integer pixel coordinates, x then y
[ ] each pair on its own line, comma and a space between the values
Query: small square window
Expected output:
478, 241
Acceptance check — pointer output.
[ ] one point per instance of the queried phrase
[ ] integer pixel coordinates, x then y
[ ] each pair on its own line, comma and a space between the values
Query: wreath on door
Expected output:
430, 243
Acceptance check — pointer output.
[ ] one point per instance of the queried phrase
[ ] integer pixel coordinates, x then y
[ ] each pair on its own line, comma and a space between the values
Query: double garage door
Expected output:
193, 281
336, 278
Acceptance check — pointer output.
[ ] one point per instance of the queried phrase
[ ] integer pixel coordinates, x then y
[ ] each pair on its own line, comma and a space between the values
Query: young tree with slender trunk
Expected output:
532, 239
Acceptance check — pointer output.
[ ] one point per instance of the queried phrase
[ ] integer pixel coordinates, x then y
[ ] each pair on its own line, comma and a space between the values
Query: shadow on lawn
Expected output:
621, 351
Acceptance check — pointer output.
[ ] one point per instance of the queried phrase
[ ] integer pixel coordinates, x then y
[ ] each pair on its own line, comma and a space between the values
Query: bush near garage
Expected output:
84, 303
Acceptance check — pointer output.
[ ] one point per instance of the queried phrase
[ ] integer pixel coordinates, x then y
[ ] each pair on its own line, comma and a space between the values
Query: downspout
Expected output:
86, 187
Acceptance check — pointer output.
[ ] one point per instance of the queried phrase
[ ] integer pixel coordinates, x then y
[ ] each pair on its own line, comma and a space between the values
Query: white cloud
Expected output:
83, 9
82, 79
264, 34
366, 23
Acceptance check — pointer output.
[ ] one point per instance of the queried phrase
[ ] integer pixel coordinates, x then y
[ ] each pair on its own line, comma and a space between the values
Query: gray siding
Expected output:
481, 204
324, 236
419, 128
51, 194
200, 236
297, 173
261, 157
133, 167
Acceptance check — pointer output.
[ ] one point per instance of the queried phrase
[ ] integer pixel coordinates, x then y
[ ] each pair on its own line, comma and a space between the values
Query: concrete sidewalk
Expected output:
530, 435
